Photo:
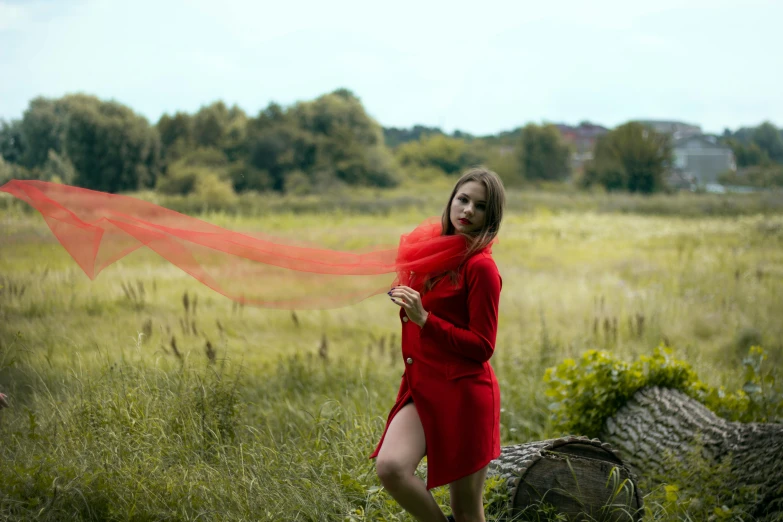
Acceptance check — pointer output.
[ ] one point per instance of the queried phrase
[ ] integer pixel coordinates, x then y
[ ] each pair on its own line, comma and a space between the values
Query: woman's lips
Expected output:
464, 221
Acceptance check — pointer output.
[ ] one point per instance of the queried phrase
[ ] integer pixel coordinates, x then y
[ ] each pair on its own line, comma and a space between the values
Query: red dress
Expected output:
448, 375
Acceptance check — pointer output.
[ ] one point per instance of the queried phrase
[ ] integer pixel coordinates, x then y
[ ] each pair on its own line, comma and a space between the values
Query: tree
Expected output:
111, 148
329, 137
108, 146
395, 137
218, 126
631, 157
11, 147
769, 140
42, 129
748, 155
276, 149
542, 153
209, 125
176, 135
450, 155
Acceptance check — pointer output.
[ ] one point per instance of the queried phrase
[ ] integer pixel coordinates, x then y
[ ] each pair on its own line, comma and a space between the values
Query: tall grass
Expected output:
129, 405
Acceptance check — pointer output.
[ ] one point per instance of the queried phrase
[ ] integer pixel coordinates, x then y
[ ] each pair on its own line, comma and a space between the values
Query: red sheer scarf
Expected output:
98, 228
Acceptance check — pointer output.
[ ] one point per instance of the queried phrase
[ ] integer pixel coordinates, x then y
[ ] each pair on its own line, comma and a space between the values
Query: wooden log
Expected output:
657, 421
579, 477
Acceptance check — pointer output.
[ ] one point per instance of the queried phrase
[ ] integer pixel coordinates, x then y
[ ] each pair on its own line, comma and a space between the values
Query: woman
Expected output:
448, 405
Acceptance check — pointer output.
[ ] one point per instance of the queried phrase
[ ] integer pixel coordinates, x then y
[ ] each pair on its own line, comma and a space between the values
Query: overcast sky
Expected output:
478, 66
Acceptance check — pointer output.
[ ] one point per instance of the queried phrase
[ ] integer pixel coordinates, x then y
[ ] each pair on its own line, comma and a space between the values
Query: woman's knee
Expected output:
391, 471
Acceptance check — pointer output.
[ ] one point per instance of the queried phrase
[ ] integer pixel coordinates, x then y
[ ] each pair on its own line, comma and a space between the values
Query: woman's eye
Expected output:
463, 200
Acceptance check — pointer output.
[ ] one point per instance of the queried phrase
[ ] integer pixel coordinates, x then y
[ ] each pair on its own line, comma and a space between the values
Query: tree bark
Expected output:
576, 476
657, 421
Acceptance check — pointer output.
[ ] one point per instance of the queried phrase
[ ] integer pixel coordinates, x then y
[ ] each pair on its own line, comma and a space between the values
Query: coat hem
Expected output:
450, 480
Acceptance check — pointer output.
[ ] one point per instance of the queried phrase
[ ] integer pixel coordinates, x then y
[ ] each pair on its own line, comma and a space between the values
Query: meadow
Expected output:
143, 395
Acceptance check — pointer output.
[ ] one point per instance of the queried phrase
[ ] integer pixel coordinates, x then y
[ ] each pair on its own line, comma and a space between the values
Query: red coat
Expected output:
448, 375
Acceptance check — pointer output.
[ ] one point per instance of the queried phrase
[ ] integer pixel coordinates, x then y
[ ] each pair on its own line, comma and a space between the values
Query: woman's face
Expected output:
468, 207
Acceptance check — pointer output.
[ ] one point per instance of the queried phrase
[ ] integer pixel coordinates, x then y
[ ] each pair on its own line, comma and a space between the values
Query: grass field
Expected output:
110, 421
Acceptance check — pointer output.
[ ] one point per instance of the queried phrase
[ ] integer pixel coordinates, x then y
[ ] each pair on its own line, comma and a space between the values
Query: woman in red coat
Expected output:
448, 405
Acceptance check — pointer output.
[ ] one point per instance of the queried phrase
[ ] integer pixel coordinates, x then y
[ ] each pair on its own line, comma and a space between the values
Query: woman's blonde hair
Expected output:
493, 215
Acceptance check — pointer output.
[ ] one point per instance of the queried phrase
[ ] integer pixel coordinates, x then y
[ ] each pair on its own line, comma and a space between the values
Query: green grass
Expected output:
108, 425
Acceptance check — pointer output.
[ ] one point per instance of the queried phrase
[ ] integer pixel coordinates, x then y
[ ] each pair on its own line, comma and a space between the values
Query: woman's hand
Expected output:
410, 300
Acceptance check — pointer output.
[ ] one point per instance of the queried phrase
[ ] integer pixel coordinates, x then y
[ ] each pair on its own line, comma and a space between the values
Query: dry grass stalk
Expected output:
382, 345
146, 329
174, 348
636, 324
134, 293
210, 352
238, 305
614, 329
323, 350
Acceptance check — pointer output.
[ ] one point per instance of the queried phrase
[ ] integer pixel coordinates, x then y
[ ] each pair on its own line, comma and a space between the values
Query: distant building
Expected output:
676, 129
699, 159
583, 139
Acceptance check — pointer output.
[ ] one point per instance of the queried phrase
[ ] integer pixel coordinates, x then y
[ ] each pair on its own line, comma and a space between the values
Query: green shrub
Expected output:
588, 391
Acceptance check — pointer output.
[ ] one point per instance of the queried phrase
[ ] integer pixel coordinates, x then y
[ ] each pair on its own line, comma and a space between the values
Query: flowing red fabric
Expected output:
98, 228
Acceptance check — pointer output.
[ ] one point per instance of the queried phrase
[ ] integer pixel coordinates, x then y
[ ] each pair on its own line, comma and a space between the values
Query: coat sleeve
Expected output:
477, 342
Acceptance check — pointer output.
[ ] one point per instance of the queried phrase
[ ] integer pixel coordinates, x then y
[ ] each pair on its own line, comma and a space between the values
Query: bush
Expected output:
449, 155
214, 193
298, 183
180, 180
762, 176
203, 170
588, 391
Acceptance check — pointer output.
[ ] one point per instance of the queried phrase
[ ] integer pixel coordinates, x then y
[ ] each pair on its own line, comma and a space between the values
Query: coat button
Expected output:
409, 360
405, 319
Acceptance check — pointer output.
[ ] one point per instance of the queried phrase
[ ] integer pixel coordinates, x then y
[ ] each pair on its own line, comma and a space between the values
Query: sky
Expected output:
480, 67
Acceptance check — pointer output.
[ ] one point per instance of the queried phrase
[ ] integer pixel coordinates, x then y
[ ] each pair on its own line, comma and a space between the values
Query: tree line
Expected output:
314, 145
758, 152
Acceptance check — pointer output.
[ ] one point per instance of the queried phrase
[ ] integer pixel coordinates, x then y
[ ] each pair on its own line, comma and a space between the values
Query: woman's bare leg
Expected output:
403, 448
467, 497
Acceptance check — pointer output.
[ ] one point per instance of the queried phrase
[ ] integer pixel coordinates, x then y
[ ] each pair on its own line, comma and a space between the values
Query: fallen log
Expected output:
661, 423
574, 476
586, 479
